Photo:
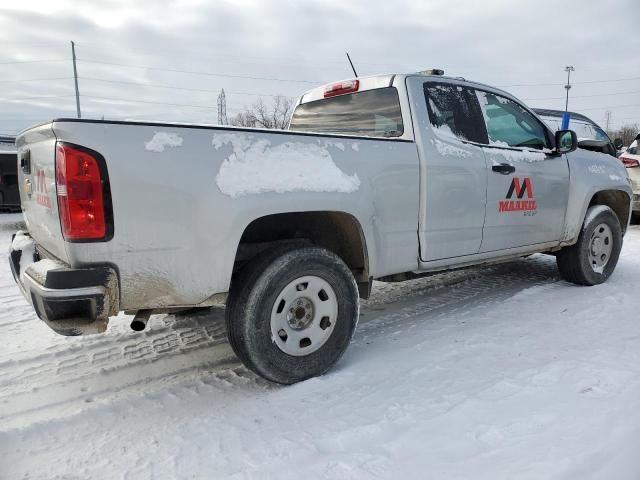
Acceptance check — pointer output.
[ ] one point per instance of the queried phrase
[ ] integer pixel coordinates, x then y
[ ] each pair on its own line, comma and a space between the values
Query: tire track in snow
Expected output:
66, 378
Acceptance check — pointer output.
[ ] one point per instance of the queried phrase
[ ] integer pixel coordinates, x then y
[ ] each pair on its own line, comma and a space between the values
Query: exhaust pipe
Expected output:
139, 322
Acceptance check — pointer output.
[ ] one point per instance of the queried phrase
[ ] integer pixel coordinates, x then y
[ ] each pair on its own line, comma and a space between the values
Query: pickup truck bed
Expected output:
172, 186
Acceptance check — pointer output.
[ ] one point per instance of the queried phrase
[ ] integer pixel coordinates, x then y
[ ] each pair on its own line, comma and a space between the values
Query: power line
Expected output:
212, 107
607, 81
583, 96
141, 84
610, 106
35, 80
33, 97
35, 61
14, 119
627, 117
210, 74
288, 61
562, 84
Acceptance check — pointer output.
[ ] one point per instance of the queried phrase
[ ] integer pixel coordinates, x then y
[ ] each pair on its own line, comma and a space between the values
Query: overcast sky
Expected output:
252, 48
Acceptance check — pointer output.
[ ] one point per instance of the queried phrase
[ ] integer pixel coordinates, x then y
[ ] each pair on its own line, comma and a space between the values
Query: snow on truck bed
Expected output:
502, 372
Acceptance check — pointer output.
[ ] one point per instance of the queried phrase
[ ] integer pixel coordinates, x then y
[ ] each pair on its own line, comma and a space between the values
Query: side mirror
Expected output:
566, 141
618, 143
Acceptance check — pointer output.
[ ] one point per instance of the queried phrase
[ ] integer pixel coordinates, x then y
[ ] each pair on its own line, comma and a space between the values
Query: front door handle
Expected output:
503, 168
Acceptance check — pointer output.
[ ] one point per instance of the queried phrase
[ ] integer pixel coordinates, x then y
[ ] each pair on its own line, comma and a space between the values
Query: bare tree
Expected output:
261, 115
627, 133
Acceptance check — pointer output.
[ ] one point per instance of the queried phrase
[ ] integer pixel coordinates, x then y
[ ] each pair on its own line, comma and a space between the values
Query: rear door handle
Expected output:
503, 168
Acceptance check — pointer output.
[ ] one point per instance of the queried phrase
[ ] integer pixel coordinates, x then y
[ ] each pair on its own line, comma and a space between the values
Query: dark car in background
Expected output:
9, 194
590, 135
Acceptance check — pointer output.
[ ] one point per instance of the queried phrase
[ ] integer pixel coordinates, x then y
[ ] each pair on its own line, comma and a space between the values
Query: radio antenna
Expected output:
351, 63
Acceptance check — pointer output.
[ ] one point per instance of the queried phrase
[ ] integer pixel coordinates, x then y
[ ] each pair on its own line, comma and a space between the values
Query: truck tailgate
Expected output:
36, 177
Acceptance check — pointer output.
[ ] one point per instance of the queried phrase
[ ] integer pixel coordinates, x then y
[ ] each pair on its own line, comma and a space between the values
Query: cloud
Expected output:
495, 41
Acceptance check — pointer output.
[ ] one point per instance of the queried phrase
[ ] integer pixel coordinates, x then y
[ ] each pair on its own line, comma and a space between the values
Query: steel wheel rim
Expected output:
304, 315
600, 247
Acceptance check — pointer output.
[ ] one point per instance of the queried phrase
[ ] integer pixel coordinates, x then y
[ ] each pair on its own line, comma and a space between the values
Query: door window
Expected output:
454, 112
509, 124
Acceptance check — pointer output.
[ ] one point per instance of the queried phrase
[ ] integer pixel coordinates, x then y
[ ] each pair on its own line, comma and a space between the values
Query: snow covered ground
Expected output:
501, 372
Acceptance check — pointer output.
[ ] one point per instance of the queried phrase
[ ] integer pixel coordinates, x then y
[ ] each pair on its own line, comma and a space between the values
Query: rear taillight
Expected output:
341, 88
82, 189
629, 162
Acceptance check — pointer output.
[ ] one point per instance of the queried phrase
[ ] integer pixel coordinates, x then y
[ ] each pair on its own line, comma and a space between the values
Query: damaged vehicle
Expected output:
386, 177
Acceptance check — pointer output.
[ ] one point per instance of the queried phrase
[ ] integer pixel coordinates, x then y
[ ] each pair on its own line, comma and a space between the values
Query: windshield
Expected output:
584, 130
373, 113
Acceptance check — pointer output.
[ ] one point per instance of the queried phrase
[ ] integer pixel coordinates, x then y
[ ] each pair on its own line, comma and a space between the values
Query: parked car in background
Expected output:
590, 135
9, 193
631, 160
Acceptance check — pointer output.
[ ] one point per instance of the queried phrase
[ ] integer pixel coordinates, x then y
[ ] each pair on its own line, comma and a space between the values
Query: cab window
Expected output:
454, 112
509, 124
371, 113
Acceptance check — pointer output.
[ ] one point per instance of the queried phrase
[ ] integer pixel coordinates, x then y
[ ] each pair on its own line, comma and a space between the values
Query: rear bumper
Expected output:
69, 300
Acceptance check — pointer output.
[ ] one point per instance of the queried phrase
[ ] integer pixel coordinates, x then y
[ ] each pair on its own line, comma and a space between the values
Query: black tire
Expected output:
253, 293
574, 263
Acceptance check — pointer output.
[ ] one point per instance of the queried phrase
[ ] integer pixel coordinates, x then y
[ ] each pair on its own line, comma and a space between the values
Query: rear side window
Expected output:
509, 124
372, 113
454, 111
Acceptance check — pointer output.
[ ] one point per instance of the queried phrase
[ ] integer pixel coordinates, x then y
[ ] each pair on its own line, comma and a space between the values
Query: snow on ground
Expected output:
502, 372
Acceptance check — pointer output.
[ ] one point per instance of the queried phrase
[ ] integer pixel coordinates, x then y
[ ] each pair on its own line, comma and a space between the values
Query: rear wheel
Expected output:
594, 256
291, 314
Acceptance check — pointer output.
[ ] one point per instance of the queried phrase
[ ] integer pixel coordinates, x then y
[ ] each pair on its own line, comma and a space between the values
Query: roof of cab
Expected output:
366, 83
386, 80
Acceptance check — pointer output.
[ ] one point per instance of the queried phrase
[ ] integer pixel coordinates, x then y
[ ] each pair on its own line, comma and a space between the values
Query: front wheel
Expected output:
594, 256
291, 314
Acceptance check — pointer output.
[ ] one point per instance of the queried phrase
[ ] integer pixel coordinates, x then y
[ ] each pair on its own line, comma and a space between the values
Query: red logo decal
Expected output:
520, 189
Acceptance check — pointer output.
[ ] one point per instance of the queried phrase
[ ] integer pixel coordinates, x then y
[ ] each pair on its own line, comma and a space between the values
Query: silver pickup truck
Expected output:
386, 177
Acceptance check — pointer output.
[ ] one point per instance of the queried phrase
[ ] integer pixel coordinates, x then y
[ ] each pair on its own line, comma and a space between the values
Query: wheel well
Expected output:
338, 232
618, 201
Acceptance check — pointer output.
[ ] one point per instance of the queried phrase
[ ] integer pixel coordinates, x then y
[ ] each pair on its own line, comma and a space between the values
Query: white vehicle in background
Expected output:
631, 160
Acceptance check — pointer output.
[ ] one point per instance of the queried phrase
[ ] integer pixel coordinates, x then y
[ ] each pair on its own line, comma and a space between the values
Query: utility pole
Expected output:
565, 117
607, 116
75, 77
222, 109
